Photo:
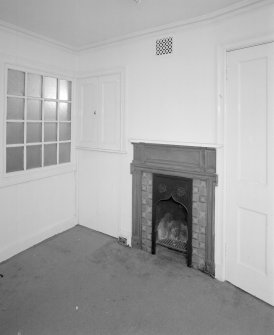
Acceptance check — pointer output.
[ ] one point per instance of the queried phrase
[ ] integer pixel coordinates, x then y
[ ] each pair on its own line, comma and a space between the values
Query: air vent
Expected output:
164, 46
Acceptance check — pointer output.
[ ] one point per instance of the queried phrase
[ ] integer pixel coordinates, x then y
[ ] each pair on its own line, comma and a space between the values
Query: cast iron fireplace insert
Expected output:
172, 214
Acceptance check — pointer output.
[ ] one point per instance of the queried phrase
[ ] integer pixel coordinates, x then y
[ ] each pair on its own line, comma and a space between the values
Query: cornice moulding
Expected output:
11, 28
228, 11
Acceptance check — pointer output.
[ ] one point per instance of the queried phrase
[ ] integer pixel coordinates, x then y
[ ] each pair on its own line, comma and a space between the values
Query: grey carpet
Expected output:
83, 282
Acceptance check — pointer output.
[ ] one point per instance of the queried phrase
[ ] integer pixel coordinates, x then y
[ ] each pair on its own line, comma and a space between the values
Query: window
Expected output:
38, 121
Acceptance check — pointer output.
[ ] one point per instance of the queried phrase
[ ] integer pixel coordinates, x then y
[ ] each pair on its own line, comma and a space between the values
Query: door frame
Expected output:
221, 140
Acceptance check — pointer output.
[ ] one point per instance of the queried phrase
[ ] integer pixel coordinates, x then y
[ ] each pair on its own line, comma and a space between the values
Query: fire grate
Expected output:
173, 244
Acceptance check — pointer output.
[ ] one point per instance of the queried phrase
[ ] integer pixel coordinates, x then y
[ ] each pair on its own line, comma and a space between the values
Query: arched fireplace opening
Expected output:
172, 214
171, 225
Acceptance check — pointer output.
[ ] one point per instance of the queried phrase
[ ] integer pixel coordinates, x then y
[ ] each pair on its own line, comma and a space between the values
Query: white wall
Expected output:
35, 205
168, 98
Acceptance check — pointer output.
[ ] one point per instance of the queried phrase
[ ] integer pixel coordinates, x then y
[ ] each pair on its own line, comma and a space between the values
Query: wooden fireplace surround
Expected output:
175, 160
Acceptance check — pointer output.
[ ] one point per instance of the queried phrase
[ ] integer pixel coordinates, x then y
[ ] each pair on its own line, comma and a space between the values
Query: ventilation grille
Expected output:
164, 46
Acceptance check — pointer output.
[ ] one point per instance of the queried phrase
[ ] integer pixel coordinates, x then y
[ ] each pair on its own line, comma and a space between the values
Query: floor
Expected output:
83, 282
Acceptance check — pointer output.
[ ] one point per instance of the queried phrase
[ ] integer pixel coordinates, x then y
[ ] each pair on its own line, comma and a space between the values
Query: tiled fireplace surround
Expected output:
196, 163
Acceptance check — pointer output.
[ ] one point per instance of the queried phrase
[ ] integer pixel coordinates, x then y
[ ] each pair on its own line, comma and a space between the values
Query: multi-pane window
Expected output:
38, 121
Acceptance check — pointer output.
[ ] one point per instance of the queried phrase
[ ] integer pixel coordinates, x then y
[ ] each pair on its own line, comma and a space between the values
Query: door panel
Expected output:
89, 107
253, 126
248, 255
249, 170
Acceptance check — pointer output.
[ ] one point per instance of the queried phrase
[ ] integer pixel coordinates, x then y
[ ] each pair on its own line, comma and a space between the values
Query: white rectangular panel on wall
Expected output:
101, 105
89, 112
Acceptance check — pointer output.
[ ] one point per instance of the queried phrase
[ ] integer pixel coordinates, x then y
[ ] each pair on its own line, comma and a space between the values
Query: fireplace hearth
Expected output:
173, 201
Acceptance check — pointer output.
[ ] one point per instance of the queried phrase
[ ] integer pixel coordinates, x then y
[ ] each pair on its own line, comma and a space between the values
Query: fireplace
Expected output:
172, 214
173, 201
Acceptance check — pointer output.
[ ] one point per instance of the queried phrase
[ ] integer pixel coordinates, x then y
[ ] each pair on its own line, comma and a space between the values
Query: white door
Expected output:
249, 170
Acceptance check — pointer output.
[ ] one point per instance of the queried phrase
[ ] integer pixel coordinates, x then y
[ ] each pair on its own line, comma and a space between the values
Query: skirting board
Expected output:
40, 236
220, 272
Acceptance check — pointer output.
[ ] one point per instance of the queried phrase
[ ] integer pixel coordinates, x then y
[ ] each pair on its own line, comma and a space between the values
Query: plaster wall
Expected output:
171, 98
33, 205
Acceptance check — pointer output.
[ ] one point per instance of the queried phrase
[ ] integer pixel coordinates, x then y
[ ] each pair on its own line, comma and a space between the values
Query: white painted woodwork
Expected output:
100, 192
250, 170
89, 108
101, 112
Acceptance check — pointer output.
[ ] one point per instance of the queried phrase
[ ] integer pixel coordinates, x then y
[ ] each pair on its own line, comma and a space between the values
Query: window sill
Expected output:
21, 177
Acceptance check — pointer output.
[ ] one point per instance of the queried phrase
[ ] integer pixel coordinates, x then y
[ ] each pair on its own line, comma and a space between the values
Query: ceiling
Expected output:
81, 23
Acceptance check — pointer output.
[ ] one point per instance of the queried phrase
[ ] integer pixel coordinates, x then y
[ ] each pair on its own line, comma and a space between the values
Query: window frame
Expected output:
44, 170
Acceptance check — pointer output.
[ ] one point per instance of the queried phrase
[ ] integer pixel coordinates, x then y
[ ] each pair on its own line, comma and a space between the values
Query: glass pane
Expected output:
64, 90
64, 130
34, 85
50, 132
16, 82
64, 152
64, 111
50, 88
34, 156
34, 109
34, 132
50, 113
15, 159
50, 154
15, 133
15, 109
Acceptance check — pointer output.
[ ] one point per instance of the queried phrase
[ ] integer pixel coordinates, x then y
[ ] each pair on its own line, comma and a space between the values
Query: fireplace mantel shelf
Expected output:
184, 161
188, 144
